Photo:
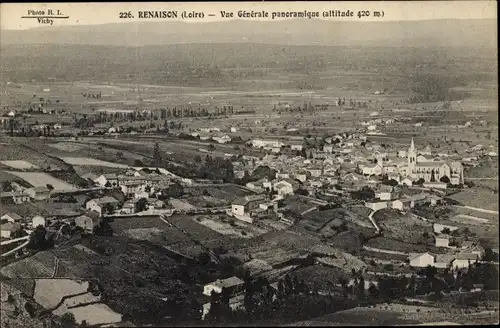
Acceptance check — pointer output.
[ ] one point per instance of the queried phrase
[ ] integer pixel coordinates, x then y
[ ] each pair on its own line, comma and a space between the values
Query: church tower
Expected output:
412, 156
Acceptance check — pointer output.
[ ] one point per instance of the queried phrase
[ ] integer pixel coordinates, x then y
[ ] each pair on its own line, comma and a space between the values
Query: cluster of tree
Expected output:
366, 193
92, 95
216, 169
434, 87
40, 239
260, 172
104, 228
195, 112
292, 300
175, 190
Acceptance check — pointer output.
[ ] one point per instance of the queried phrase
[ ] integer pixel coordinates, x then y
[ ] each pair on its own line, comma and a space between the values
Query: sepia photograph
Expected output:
181, 164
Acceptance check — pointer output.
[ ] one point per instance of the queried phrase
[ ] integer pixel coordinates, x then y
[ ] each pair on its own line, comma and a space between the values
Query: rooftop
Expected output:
245, 200
228, 282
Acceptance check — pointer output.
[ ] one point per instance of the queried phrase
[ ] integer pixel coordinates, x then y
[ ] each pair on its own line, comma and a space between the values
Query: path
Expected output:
16, 249
370, 217
309, 210
477, 209
14, 240
386, 251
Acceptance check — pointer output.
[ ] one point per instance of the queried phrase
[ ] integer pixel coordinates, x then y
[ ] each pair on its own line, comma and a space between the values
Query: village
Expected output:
343, 184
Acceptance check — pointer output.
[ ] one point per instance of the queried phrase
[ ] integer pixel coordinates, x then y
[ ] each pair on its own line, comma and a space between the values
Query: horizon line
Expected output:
247, 20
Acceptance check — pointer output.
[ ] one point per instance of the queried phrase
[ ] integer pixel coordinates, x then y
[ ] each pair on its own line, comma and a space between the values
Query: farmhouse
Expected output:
38, 193
243, 206
130, 188
298, 147
15, 197
105, 178
101, 205
464, 259
88, 222
371, 169
422, 260
260, 143
11, 217
234, 284
443, 261
443, 240
235, 303
9, 229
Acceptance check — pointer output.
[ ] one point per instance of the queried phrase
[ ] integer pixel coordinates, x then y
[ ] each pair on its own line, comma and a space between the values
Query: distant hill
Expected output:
427, 33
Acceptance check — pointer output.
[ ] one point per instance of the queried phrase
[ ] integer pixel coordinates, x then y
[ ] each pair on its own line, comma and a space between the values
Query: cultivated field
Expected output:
49, 292
20, 165
84, 161
39, 179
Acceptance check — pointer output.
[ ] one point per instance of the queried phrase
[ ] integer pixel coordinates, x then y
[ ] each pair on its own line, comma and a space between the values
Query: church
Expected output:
431, 171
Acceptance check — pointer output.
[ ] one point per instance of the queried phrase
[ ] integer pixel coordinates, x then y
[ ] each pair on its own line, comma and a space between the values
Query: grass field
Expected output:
480, 198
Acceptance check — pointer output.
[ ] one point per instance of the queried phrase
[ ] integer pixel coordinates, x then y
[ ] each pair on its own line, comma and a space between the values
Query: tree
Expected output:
141, 205
38, 239
175, 190
366, 193
420, 182
108, 209
68, 320
156, 155
445, 179
301, 191
211, 148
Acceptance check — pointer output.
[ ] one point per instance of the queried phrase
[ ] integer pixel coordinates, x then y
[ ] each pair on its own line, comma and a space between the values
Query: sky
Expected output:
102, 13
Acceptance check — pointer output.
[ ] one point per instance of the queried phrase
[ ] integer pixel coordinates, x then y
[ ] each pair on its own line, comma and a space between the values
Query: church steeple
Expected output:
412, 155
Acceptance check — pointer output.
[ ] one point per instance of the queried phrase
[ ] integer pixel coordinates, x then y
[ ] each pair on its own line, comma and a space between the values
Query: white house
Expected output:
314, 171
260, 143
422, 260
57, 126
100, 204
222, 140
328, 149
132, 187
88, 222
371, 169
38, 193
464, 259
232, 283
11, 217
282, 175
9, 229
244, 205
38, 221
296, 147
284, 188
443, 240
16, 196
302, 177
